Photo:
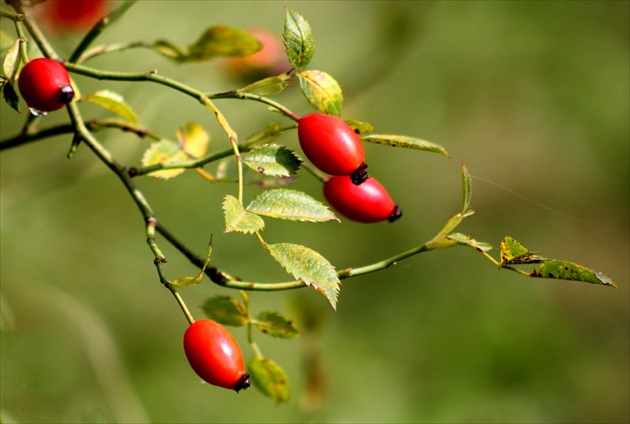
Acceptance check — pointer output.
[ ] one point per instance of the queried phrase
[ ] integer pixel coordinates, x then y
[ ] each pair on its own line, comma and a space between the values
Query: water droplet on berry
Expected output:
36, 112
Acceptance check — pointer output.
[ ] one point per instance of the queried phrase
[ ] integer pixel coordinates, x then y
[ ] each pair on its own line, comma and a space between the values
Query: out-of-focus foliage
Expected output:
532, 95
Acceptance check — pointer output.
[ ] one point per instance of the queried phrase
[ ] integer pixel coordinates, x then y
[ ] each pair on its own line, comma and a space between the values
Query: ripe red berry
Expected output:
368, 202
45, 85
215, 356
332, 146
71, 15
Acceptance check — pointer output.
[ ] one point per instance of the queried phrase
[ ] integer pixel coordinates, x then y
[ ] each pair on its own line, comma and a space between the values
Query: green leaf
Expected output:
169, 49
223, 41
193, 139
514, 253
191, 281
113, 102
360, 127
268, 86
164, 152
276, 325
11, 63
321, 91
570, 271
266, 134
269, 378
225, 310
404, 141
464, 239
309, 267
467, 188
290, 205
10, 96
273, 160
299, 40
238, 219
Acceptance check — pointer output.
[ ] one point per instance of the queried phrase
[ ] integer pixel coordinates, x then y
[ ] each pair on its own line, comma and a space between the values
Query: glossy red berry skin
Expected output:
45, 85
332, 146
368, 202
215, 356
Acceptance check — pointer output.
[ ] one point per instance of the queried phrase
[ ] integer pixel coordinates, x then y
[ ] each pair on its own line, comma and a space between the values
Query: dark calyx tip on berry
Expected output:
359, 175
243, 383
395, 215
66, 94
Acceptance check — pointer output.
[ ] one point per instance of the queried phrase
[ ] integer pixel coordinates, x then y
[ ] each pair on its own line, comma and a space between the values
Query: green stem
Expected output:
249, 96
182, 304
98, 29
36, 33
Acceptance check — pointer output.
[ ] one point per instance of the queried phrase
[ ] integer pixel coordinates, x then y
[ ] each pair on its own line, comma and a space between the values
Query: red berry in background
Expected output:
215, 356
45, 85
368, 202
71, 15
332, 146
270, 60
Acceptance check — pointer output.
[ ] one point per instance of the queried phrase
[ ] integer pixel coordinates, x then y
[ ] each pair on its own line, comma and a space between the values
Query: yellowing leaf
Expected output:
269, 378
238, 219
113, 102
193, 139
299, 40
322, 91
164, 152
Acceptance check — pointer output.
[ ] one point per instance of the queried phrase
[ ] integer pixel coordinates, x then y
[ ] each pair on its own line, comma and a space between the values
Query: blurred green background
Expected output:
533, 96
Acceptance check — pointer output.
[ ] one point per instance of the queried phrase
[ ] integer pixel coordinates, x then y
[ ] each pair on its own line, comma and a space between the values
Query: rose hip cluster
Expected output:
334, 148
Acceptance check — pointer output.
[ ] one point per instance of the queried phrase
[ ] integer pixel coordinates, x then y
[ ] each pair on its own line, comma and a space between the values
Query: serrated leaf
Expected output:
165, 152
11, 97
407, 142
290, 205
309, 267
322, 91
514, 253
269, 378
193, 139
197, 279
299, 40
275, 325
360, 127
223, 41
225, 310
466, 188
113, 102
268, 86
11, 63
238, 219
570, 271
273, 160
266, 134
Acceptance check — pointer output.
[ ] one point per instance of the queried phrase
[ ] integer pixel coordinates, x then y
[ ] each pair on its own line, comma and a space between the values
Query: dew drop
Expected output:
36, 112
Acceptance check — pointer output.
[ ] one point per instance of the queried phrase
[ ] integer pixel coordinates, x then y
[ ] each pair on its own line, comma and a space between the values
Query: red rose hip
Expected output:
45, 85
215, 356
332, 146
368, 202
